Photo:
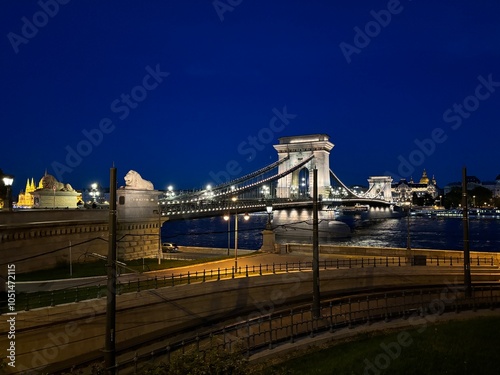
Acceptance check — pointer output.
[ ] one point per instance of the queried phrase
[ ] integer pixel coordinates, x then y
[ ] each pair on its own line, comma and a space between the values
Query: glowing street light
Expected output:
94, 192
170, 192
209, 193
8, 180
269, 210
227, 217
265, 191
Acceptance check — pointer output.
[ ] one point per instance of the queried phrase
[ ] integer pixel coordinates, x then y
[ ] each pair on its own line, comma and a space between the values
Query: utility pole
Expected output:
110, 344
315, 264
465, 207
160, 253
408, 240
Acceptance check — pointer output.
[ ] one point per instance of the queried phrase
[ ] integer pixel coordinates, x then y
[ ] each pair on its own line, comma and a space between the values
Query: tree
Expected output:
424, 200
482, 195
454, 198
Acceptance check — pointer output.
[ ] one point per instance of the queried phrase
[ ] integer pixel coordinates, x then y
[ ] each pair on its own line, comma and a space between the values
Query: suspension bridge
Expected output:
284, 184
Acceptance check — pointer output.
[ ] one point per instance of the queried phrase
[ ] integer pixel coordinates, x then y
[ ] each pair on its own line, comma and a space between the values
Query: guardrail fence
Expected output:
28, 301
269, 331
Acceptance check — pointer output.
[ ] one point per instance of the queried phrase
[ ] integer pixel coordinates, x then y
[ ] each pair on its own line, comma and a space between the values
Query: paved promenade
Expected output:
245, 258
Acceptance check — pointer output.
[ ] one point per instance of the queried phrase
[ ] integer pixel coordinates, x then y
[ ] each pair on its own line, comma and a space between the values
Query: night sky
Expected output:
178, 89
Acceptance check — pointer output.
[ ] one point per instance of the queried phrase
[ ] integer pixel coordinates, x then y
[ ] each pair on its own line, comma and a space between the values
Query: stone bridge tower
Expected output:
297, 149
379, 187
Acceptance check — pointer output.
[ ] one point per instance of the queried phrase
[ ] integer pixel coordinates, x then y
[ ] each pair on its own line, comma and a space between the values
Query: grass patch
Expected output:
98, 268
457, 347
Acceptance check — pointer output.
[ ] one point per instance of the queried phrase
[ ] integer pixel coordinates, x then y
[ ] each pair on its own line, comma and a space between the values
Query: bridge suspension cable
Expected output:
349, 191
251, 175
269, 179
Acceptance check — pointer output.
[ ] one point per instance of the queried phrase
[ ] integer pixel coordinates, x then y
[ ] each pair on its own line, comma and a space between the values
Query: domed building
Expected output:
403, 190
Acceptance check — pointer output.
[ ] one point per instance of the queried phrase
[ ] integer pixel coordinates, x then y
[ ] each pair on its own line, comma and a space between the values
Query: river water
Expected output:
425, 233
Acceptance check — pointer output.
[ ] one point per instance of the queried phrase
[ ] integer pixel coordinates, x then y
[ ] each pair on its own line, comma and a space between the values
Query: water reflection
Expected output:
424, 233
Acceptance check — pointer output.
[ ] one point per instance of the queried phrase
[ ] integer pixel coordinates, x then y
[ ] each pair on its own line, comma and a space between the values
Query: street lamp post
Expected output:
408, 242
160, 253
269, 210
265, 192
407, 202
245, 217
228, 218
170, 192
7, 181
93, 192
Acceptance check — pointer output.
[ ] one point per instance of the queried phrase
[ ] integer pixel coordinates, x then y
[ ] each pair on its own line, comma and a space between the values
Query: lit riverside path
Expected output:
243, 261
248, 258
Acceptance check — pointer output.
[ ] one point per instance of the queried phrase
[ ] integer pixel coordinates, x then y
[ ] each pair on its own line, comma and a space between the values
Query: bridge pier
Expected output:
296, 225
139, 224
268, 241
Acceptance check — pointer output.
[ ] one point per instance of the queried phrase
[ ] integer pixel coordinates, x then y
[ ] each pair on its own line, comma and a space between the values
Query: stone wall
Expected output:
138, 240
367, 251
36, 239
41, 244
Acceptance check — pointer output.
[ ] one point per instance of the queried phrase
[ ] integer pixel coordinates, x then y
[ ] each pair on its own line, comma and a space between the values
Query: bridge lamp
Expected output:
408, 241
269, 210
94, 191
209, 192
170, 192
227, 218
8, 180
245, 217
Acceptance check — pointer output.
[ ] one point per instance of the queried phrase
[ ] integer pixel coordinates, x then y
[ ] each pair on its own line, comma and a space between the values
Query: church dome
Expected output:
424, 179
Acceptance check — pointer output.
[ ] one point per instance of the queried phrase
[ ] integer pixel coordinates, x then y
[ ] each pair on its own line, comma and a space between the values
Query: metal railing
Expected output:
31, 300
269, 331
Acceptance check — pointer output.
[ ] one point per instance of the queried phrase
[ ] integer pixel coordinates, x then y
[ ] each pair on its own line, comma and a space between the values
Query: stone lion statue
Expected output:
133, 180
50, 182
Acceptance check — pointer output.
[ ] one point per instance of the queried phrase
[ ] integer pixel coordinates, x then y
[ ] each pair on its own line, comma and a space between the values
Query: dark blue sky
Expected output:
177, 89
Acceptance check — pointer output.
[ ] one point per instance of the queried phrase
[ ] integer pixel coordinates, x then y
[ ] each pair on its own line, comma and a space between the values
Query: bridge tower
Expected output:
297, 149
380, 187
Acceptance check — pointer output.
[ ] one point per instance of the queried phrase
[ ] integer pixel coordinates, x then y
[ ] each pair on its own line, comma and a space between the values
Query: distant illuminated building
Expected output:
49, 193
474, 182
25, 198
403, 190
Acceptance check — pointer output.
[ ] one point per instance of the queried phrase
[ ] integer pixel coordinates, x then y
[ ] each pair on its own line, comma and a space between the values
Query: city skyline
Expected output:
185, 92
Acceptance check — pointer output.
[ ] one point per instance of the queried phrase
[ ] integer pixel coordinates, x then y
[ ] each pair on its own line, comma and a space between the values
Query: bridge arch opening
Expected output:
301, 180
